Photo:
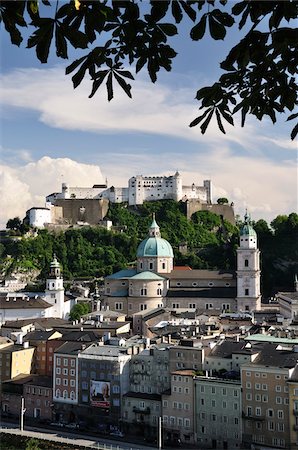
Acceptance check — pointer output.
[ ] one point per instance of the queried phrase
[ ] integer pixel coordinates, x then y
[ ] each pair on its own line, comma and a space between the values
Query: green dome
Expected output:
55, 262
247, 229
154, 245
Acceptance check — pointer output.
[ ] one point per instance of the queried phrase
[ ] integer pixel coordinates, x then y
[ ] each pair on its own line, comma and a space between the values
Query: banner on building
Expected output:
100, 393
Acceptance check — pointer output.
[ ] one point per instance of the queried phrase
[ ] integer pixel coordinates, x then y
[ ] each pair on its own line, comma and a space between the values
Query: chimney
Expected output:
26, 344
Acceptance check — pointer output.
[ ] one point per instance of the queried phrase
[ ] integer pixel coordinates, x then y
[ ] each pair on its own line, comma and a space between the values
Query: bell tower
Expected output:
248, 269
54, 289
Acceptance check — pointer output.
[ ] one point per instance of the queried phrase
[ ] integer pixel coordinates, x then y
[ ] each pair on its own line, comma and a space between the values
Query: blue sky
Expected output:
51, 133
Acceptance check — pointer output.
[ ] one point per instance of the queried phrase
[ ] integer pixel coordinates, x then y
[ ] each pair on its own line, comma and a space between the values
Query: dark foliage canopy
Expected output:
259, 72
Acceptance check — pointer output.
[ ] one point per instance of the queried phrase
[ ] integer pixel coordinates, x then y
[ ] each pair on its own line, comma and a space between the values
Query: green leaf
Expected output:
42, 38
140, 64
78, 77
227, 116
176, 11
217, 30
75, 37
74, 65
109, 85
168, 29
238, 8
219, 122
188, 10
100, 76
294, 132
199, 119
159, 9
292, 116
125, 86
204, 125
126, 74
60, 42
198, 31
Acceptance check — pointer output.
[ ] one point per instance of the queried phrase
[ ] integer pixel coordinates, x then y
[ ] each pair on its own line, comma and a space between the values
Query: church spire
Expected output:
154, 230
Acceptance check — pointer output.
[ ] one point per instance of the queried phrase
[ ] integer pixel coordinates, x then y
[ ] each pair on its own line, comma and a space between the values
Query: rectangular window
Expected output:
65, 361
246, 291
73, 363
258, 411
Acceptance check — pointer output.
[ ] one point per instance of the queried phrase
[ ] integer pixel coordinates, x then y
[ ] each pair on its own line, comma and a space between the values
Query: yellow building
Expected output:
14, 360
293, 408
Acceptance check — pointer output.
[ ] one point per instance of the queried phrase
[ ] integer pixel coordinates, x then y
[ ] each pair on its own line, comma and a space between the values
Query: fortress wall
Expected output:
226, 211
83, 210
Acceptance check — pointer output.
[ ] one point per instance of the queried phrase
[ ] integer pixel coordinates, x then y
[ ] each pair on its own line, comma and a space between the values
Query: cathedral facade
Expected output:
155, 282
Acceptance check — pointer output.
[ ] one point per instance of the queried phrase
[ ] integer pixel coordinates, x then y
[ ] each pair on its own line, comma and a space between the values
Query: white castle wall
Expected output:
140, 188
39, 216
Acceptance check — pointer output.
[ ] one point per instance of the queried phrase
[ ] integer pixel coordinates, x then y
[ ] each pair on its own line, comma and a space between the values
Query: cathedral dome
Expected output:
154, 245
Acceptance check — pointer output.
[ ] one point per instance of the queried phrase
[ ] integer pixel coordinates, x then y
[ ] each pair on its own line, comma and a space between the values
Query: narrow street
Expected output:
83, 440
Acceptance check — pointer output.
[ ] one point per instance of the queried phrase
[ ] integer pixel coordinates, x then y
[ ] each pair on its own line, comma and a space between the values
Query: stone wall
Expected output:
83, 210
227, 211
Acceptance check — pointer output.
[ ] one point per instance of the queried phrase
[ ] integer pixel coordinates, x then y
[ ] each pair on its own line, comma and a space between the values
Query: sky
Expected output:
51, 133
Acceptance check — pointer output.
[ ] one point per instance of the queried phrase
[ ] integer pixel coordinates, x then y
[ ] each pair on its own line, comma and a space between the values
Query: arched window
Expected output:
65, 394
57, 393
158, 291
72, 395
246, 263
144, 291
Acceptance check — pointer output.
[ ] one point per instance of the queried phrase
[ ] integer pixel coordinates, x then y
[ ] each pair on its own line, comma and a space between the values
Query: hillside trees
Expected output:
259, 71
211, 243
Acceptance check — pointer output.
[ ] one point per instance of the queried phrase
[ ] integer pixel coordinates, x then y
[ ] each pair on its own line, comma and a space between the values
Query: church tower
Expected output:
54, 289
248, 269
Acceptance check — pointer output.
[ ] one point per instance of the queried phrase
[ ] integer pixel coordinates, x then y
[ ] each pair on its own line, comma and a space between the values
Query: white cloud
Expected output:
155, 108
264, 188
26, 186
241, 165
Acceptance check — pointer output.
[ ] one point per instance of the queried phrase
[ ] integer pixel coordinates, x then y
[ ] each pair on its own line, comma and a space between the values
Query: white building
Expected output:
51, 303
39, 216
140, 189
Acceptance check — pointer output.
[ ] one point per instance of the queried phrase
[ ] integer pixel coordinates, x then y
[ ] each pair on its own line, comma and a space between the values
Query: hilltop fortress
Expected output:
80, 205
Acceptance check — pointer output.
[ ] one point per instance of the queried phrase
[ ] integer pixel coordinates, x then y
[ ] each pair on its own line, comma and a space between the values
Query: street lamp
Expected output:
22, 412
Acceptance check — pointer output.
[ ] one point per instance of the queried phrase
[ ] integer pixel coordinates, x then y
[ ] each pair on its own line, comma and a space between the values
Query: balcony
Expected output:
139, 410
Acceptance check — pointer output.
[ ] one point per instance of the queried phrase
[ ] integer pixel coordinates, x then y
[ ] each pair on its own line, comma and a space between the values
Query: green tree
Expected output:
259, 71
79, 310
222, 201
14, 224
